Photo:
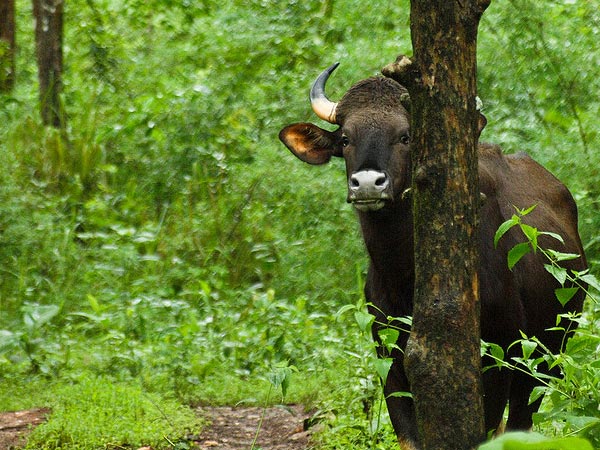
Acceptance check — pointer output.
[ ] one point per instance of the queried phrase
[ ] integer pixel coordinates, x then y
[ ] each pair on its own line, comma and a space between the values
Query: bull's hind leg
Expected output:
520, 412
496, 387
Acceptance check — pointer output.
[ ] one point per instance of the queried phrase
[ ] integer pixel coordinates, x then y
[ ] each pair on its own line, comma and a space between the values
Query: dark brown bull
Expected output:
374, 138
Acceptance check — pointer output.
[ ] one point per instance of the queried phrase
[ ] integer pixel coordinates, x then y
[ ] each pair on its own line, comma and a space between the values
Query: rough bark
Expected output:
442, 357
48, 16
7, 45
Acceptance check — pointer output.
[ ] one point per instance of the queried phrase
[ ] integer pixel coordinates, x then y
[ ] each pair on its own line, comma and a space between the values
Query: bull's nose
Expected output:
368, 183
368, 190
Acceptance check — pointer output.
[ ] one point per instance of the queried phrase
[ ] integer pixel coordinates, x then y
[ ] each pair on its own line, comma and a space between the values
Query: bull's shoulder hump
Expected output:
487, 150
491, 165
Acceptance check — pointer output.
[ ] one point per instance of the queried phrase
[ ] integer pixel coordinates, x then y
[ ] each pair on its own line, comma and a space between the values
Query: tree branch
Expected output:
403, 70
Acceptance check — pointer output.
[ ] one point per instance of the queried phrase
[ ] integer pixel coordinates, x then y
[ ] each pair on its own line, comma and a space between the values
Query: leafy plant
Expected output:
572, 398
533, 441
576, 279
378, 361
279, 378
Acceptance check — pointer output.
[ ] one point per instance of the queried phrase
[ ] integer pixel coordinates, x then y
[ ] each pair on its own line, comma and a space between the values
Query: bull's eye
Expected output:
345, 141
405, 139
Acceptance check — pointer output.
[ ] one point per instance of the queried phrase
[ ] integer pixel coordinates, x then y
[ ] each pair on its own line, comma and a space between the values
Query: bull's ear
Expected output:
481, 123
309, 143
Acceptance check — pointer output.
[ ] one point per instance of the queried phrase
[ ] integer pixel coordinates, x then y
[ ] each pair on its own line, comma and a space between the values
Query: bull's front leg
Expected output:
401, 408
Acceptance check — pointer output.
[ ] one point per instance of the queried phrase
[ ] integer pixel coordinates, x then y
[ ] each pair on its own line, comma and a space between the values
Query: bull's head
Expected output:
373, 138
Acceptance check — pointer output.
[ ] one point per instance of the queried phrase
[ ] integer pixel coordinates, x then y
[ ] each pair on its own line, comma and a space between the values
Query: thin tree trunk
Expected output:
442, 357
48, 16
7, 45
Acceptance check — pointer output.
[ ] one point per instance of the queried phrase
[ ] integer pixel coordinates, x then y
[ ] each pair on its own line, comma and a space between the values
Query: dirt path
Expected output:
229, 428
15, 426
234, 428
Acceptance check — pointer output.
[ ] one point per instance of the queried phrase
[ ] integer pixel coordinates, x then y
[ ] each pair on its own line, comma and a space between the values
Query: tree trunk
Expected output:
48, 16
7, 45
442, 357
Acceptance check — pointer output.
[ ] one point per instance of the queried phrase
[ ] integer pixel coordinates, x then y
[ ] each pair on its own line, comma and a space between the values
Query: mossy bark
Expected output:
442, 357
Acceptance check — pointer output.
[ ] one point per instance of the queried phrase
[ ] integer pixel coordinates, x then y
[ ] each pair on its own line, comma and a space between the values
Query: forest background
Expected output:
165, 250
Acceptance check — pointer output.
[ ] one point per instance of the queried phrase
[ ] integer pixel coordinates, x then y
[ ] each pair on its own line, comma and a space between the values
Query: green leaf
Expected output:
8, 340
93, 301
406, 320
524, 212
532, 235
400, 394
556, 236
364, 320
389, 337
581, 422
528, 348
280, 376
497, 352
494, 350
537, 392
565, 294
36, 316
382, 367
591, 280
558, 256
517, 252
342, 310
521, 440
502, 229
560, 273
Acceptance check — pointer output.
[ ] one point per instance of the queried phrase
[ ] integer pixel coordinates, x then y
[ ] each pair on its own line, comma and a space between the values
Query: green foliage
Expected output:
571, 398
167, 244
575, 280
533, 441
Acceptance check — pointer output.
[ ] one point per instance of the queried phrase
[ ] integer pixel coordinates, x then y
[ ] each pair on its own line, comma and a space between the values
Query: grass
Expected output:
98, 412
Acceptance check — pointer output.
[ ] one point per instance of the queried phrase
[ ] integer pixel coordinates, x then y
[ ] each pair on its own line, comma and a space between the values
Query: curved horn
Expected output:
321, 105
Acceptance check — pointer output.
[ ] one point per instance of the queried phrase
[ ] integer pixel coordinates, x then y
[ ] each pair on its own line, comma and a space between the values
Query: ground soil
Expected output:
283, 428
15, 426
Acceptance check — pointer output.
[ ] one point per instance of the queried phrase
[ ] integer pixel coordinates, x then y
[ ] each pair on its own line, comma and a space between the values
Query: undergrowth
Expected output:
99, 412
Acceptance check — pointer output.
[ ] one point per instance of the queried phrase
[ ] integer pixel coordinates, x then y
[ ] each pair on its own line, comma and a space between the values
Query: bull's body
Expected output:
373, 138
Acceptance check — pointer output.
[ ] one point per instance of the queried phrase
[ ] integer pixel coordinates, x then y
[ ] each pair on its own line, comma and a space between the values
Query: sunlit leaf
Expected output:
565, 294
591, 280
559, 256
521, 440
556, 236
532, 235
560, 273
517, 252
389, 337
35, 316
400, 394
364, 320
382, 367
537, 392
528, 348
504, 227
526, 211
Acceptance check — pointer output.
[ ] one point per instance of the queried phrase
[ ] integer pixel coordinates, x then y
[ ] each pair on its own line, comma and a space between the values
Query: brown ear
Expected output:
309, 143
481, 123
